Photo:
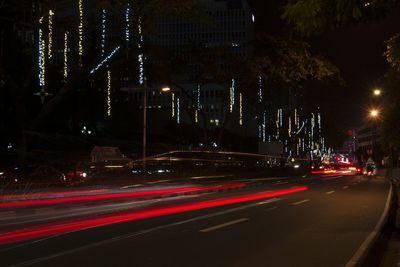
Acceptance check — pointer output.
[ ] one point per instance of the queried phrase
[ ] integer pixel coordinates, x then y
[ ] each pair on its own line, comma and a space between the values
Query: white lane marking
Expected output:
345, 187
272, 208
354, 261
262, 179
130, 186
300, 202
330, 192
268, 201
119, 238
157, 182
284, 182
7, 215
219, 226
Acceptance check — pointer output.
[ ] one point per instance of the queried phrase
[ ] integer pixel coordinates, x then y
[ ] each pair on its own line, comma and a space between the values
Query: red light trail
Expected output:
55, 229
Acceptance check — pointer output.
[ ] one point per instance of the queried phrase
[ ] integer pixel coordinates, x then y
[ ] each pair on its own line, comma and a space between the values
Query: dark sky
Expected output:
357, 51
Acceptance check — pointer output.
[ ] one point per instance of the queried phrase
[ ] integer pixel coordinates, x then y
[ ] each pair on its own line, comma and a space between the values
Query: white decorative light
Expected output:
127, 22
260, 89
312, 130
178, 110
290, 127
65, 70
173, 105
277, 124
50, 35
240, 109
319, 123
108, 93
103, 31
281, 117
80, 28
232, 96
105, 60
196, 116
41, 54
264, 126
141, 69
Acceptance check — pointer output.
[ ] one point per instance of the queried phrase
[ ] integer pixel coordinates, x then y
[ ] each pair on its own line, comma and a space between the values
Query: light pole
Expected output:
377, 92
144, 124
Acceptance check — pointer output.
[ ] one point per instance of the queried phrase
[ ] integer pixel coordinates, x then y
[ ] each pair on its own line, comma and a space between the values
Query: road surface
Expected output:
324, 225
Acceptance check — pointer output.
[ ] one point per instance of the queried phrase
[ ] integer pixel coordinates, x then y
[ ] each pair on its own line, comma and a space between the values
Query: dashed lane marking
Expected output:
219, 226
300, 202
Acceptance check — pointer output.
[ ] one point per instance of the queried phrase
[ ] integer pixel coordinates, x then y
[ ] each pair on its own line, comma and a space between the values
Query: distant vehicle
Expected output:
337, 169
370, 169
35, 175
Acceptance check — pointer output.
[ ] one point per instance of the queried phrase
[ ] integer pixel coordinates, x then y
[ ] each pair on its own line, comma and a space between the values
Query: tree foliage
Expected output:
310, 17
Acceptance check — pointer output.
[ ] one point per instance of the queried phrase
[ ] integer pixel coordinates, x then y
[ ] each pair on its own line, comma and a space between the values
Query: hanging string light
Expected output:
178, 110
103, 31
277, 124
240, 109
105, 60
41, 54
50, 35
264, 126
260, 89
319, 123
312, 130
196, 113
140, 56
232, 96
173, 105
80, 29
290, 127
127, 22
108, 93
65, 70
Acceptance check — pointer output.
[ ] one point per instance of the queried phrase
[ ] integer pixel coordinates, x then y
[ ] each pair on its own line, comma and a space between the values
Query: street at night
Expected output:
200, 133
325, 224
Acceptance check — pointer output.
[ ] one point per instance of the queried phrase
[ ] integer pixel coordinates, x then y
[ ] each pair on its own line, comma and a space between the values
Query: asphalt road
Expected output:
324, 225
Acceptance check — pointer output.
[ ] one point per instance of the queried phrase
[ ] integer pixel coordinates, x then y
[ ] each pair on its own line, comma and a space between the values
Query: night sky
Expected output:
356, 50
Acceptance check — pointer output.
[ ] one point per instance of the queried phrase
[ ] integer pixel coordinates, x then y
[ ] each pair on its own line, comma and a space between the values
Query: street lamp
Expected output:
377, 92
166, 89
374, 113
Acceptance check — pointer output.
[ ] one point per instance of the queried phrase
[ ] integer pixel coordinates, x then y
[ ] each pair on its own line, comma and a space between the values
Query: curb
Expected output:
366, 246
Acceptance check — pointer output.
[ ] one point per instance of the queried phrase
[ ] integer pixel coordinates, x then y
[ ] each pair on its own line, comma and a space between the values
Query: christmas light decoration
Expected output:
319, 123
50, 35
277, 125
140, 56
196, 113
80, 28
41, 54
240, 109
312, 130
103, 31
127, 22
105, 60
232, 96
264, 126
108, 93
173, 105
260, 89
178, 110
290, 127
65, 70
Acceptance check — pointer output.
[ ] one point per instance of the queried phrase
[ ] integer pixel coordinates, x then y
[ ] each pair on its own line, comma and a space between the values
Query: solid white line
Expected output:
330, 192
373, 235
136, 234
219, 226
272, 208
300, 202
279, 183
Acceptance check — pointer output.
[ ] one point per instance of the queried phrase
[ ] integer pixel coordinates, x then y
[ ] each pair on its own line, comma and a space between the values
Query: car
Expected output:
42, 175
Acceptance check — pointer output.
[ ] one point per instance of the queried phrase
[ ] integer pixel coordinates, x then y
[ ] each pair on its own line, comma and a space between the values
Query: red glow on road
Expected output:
53, 194
55, 229
41, 202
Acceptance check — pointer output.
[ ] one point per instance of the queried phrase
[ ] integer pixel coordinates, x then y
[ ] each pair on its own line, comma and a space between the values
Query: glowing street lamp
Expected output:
377, 92
166, 89
374, 113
